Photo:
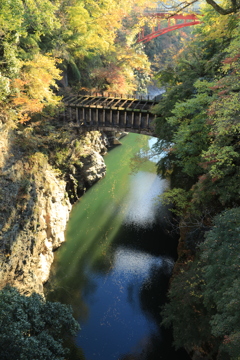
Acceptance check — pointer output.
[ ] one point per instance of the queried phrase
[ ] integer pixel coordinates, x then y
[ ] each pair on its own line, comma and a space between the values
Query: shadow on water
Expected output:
115, 267
152, 299
157, 242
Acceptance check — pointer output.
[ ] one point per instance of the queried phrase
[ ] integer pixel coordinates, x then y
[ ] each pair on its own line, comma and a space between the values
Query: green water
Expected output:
115, 265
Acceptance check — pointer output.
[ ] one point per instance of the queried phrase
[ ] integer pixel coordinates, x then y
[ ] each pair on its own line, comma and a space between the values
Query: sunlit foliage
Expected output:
198, 121
85, 35
34, 88
199, 118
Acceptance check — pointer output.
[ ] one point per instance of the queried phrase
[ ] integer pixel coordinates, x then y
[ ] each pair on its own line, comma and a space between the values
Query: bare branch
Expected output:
183, 5
180, 7
223, 11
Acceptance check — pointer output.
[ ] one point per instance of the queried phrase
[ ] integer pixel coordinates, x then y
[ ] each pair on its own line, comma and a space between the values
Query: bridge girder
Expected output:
108, 113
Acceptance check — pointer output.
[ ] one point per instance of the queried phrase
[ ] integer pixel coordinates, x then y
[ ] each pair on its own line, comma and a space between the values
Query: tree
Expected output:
186, 313
23, 23
232, 7
181, 122
32, 328
34, 89
204, 295
226, 8
200, 113
94, 44
221, 160
221, 270
121, 70
191, 136
198, 119
27, 76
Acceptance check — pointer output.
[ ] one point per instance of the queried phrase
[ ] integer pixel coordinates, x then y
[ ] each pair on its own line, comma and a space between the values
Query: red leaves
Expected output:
202, 178
112, 76
223, 92
231, 60
226, 340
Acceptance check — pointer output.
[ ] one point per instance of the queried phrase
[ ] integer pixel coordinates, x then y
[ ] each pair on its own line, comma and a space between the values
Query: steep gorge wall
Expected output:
35, 207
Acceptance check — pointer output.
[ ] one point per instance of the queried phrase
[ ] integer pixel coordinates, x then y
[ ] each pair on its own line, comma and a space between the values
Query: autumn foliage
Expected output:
199, 125
34, 89
87, 43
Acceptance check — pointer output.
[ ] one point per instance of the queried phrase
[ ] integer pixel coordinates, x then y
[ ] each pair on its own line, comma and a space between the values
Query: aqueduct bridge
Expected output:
127, 113
106, 112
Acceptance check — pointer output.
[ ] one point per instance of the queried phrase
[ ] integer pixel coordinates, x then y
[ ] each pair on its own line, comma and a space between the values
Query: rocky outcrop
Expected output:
34, 215
93, 166
93, 169
115, 136
85, 164
35, 208
81, 176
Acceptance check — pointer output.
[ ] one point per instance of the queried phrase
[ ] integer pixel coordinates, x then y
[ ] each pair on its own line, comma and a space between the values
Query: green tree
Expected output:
32, 328
221, 160
221, 272
191, 136
185, 312
204, 296
198, 118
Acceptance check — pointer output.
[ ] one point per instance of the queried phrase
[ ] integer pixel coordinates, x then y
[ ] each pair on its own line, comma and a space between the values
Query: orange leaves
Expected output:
18, 83
26, 107
112, 76
33, 90
22, 102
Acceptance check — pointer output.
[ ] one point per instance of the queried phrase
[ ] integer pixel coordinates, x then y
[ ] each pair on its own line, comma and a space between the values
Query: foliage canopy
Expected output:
32, 328
198, 123
204, 296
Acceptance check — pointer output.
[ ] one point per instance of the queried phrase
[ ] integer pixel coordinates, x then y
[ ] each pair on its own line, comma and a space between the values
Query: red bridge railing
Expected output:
187, 19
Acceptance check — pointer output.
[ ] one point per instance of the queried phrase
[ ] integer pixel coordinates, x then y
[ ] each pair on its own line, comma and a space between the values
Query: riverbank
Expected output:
44, 169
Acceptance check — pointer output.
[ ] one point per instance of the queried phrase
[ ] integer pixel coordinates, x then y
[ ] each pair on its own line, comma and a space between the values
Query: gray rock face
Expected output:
35, 209
94, 168
91, 167
35, 218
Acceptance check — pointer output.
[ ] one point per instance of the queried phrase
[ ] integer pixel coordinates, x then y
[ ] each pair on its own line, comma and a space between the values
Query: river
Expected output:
115, 265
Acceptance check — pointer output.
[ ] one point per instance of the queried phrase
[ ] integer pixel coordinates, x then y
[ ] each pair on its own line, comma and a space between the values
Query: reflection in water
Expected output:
119, 324
142, 206
139, 264
115, 266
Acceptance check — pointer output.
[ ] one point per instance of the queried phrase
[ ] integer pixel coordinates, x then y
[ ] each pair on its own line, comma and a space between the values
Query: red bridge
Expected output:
187, 19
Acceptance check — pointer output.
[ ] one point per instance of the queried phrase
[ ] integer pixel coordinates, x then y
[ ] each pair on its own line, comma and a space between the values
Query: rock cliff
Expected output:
35, 205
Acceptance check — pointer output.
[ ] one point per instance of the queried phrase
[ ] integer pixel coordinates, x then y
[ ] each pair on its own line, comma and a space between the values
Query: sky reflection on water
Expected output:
142, 204
114, 267
119, 323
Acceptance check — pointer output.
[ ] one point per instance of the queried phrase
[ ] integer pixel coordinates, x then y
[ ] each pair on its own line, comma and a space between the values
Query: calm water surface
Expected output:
115, 265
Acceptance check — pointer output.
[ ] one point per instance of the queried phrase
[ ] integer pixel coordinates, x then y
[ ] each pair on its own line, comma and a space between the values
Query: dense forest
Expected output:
198, 126
46, 44
47, 47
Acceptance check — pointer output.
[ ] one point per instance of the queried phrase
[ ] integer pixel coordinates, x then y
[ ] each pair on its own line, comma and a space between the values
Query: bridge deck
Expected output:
108, 102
